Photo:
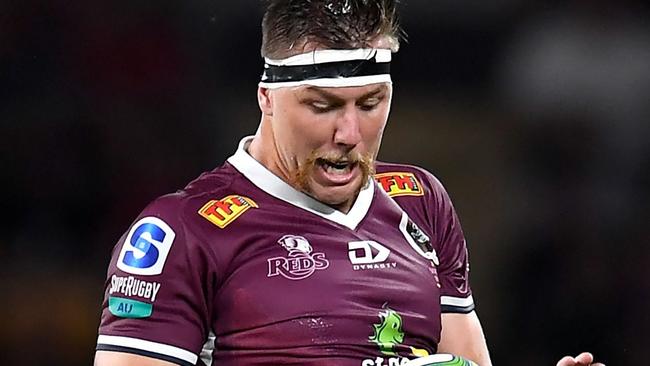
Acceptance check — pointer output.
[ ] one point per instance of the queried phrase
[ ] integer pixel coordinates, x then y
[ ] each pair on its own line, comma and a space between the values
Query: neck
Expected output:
262, 149
346, 206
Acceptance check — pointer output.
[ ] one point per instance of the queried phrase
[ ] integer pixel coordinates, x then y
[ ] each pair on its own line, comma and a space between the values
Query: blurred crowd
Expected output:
534, 114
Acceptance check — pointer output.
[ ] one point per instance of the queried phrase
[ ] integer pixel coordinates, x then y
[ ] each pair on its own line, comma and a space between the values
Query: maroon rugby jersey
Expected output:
239, 268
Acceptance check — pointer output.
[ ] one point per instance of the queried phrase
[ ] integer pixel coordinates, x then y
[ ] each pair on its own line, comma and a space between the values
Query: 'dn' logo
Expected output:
400, 184
226, 210
146, 247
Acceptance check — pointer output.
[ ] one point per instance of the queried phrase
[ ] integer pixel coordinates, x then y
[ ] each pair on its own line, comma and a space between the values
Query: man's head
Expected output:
325, 95
289, 26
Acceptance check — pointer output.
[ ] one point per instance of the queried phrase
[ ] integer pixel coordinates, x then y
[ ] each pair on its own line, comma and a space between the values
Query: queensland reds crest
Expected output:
300, 263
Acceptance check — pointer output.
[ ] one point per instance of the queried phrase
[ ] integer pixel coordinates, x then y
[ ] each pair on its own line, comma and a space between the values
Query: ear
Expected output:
264, 100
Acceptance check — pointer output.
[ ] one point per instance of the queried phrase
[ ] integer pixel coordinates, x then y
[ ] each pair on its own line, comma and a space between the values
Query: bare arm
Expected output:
108, 358
462, 335
583, 359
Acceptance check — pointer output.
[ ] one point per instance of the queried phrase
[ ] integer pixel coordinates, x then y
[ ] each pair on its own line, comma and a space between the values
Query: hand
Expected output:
583, 359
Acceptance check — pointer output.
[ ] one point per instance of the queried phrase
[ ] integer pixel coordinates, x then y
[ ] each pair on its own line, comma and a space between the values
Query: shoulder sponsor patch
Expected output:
400, 184
146, 247
226, 210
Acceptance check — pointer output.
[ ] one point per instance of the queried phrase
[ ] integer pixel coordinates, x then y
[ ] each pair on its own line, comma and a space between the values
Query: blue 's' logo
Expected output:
145, 254
146, 247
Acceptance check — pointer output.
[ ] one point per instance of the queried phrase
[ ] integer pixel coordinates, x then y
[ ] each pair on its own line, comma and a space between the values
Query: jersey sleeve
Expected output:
453, 270
156, 289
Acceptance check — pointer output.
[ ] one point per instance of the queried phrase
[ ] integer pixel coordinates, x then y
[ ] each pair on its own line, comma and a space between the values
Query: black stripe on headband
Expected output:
328, 70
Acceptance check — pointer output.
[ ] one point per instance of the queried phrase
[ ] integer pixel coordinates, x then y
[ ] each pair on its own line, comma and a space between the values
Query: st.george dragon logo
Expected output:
389, 336
301, 261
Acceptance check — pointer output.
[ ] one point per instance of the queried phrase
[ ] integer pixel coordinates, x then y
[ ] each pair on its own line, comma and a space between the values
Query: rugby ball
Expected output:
440, 359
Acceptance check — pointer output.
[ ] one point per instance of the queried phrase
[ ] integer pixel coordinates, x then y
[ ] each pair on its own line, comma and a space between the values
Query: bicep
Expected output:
462, 335
109, 358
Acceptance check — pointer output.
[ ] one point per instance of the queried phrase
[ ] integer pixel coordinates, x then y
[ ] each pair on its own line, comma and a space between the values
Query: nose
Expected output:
348, 128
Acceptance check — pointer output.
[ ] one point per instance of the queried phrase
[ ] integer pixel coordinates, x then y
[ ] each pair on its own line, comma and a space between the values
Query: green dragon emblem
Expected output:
388, 333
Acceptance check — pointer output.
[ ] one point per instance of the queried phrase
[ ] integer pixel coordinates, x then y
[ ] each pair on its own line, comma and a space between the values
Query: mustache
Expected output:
351, 157
365, 162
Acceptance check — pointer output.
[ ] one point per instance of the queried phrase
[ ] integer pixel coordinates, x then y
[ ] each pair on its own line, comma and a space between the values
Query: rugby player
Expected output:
301, 248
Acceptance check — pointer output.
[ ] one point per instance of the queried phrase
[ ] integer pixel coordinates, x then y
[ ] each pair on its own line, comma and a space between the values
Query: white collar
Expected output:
265, 180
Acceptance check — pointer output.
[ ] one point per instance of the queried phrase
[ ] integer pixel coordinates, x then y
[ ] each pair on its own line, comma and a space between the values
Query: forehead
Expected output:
348, 92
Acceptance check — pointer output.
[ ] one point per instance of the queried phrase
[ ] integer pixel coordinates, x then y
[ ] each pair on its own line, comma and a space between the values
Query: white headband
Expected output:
328, 68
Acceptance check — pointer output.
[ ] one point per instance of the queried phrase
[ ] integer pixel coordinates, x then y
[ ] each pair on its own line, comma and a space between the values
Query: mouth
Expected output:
336, 167
337, 171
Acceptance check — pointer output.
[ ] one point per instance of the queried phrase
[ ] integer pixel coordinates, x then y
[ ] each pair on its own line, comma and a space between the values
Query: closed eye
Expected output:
319, 106
367, 107
370, 103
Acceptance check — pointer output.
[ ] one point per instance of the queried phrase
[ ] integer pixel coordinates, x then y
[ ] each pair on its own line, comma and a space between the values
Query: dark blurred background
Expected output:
534, 114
